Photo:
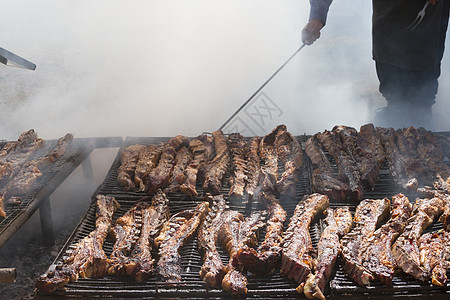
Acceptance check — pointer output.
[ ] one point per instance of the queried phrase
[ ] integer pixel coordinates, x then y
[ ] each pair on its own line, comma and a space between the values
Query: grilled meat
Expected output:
269, 158
158, 178
238, 166
323, 181
368, 214
406, 248
296, 260
376, 254
268, 255
128, 163
370, 141
339, 222
182, 160
213, 172
213, 269
434, 249
147, 161
290, 152
254, 174
140, 265
87, 258
202, 149
175, 233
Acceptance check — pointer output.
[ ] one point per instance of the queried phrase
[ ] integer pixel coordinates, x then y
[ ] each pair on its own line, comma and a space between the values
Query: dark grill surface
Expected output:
271, 287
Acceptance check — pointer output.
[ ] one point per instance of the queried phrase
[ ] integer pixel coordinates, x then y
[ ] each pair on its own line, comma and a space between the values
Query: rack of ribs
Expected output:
376, 254
368, 214
175, 233
128, 162
406, 248
158, 178
254, 174
296, 260
323, 181
202, 149
339, 222
434, 250
87, 258
182, 160
267, 256
213, 172
235, 234
269, 158
213, 270
238, 166
370, 142
146, 162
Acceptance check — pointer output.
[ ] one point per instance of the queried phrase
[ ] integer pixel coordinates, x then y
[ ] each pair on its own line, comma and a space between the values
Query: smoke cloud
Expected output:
159, 68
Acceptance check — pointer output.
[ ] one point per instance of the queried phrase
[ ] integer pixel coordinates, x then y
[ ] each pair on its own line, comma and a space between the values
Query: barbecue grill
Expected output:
38, 196
270, 287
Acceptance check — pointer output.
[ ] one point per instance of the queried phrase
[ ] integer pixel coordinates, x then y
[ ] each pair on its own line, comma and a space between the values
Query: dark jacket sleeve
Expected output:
319, 10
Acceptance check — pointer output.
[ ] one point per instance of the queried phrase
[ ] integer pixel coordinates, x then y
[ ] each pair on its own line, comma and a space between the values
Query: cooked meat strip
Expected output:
87, 258
370, 141
269, 159
368, 214
238, 166
182, 160
339, 222
234, 235
254, 173
406, 247
434, 249
202, 149
213, 269
296, 260
323, 181
290, 152
147, 161
376, 254
213, 172
128, 162
268, 255
140, 265
175, 233
347, 167
126, 232
158, 178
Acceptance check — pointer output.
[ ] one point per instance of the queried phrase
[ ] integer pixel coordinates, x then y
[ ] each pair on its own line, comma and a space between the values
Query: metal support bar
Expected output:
86, 166
45, 213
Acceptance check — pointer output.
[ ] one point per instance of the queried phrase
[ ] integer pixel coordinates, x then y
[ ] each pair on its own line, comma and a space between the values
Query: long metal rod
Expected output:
262, 86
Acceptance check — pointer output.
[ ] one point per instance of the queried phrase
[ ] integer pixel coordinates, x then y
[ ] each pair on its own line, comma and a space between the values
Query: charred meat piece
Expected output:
296, 260
128, 162
202, 149
323, 181
213, 269
268, 255
290, 152
434, 249
370, 141
147, 161
213, 172
234, 235
238, 166
339, 222
175, 233
158, 178
87, 258
269, 159
254, 174
368, 214
140, 265
376, 254
406, 248
182, 160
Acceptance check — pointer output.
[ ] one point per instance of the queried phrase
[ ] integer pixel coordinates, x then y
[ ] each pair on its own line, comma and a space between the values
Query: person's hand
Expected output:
311, 32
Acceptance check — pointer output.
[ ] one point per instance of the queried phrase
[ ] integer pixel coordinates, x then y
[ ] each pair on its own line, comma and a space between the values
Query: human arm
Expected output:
317, 19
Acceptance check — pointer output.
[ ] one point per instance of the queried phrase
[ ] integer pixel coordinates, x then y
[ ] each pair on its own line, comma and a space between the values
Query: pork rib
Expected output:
238, 166
296, 260
182, 160
87, 259
434, 249
146, 162
128, 162
269, 159
254, 174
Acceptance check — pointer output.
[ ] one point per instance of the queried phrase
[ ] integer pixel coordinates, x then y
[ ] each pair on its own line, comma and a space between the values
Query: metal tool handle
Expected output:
262, 86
